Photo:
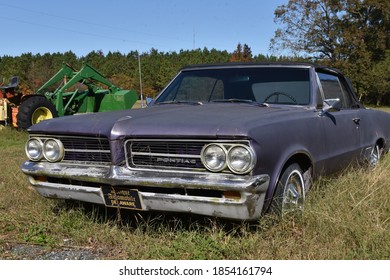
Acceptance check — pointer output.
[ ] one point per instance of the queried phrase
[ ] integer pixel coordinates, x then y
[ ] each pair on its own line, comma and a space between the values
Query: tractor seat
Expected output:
12, 84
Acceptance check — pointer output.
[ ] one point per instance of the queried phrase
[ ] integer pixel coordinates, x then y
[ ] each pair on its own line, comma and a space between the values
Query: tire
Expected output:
35, 109
289, 196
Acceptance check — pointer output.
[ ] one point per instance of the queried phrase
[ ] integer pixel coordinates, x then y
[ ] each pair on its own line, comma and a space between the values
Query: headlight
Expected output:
33, 149
214, 157
53, 150
241, 159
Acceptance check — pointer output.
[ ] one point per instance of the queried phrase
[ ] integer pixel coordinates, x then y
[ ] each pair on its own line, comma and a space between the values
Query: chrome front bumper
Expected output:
249, 206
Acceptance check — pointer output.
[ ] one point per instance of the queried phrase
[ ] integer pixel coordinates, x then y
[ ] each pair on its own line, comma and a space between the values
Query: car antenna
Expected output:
140, 79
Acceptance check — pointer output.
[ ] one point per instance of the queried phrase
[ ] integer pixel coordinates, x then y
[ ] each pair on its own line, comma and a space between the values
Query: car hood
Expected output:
180, 120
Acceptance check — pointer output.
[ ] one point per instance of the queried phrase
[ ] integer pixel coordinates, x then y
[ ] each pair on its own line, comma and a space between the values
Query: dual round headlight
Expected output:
50, 149
214, 157
34, 149
240, 159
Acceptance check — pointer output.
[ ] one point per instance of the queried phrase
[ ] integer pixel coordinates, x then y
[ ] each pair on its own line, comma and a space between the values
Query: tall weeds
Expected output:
345, 217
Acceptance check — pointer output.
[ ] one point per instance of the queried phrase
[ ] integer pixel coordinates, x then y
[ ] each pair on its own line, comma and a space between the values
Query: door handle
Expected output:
356, 120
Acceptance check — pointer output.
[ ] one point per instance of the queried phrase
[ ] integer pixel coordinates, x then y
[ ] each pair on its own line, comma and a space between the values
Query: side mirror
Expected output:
331, 105
148, 100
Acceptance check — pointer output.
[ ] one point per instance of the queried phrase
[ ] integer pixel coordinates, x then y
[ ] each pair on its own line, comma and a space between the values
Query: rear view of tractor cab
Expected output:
9, 102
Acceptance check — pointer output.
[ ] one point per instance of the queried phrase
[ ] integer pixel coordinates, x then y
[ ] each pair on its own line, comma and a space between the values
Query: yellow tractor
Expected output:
9, 102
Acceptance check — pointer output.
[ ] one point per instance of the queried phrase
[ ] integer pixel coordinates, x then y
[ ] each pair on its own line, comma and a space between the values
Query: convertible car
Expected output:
231, 140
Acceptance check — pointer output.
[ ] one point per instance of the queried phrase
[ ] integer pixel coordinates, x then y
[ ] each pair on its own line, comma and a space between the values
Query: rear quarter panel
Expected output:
374, 125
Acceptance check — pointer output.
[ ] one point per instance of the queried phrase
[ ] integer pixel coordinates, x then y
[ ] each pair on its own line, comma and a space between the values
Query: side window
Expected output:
333, 90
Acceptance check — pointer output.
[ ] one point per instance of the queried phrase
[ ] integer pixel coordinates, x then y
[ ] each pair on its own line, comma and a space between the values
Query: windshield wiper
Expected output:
179, 102
235, 100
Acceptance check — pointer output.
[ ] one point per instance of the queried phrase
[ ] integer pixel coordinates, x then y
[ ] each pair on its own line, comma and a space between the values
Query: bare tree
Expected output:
309, 27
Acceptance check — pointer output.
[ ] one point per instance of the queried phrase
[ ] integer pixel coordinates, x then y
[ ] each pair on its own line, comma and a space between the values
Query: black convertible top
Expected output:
260, 64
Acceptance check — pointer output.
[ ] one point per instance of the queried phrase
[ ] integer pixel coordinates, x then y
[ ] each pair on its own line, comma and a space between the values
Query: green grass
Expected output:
386, 109
346, 217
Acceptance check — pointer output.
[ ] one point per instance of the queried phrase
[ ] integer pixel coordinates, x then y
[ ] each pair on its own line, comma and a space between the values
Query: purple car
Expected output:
230, 140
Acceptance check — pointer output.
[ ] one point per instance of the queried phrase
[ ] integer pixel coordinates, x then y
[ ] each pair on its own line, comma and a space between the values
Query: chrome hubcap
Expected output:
294, 195
375, 156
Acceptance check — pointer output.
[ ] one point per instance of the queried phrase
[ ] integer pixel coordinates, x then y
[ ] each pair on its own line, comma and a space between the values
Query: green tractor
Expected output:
87, 97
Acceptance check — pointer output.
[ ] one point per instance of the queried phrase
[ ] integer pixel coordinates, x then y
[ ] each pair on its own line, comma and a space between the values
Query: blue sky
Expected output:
135, 25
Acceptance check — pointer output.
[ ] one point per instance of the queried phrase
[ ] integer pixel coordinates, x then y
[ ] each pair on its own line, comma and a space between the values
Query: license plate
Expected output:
122, 198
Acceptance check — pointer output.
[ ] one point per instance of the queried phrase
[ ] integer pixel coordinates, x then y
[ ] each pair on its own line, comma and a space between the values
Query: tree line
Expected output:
351, 35
157, 68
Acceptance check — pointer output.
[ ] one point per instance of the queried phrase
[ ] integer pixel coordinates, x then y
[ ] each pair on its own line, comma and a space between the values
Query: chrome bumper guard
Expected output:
249, 206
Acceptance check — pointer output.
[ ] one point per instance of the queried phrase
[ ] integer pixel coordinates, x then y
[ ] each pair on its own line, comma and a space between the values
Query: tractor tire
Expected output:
35, 109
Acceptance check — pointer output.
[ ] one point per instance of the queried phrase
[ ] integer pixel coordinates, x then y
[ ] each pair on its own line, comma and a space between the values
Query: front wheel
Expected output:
35, 109
375, 156
289, 195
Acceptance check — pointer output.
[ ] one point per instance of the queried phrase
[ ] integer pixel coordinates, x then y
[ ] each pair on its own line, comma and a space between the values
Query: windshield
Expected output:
272, 85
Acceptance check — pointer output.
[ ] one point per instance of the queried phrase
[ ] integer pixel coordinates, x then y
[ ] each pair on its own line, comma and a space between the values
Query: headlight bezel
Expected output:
250, 163
39, 145
204, 157
229, 148
59, 150
44, 149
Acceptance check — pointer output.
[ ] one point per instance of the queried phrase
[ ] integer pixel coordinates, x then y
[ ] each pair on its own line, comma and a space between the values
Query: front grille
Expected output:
164, 154
86, 149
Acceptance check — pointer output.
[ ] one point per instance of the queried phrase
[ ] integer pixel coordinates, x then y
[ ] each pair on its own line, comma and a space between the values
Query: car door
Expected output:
340, 121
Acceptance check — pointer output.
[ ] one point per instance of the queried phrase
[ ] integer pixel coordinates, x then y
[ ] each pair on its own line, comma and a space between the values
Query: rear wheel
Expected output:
289, 195
35, 109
